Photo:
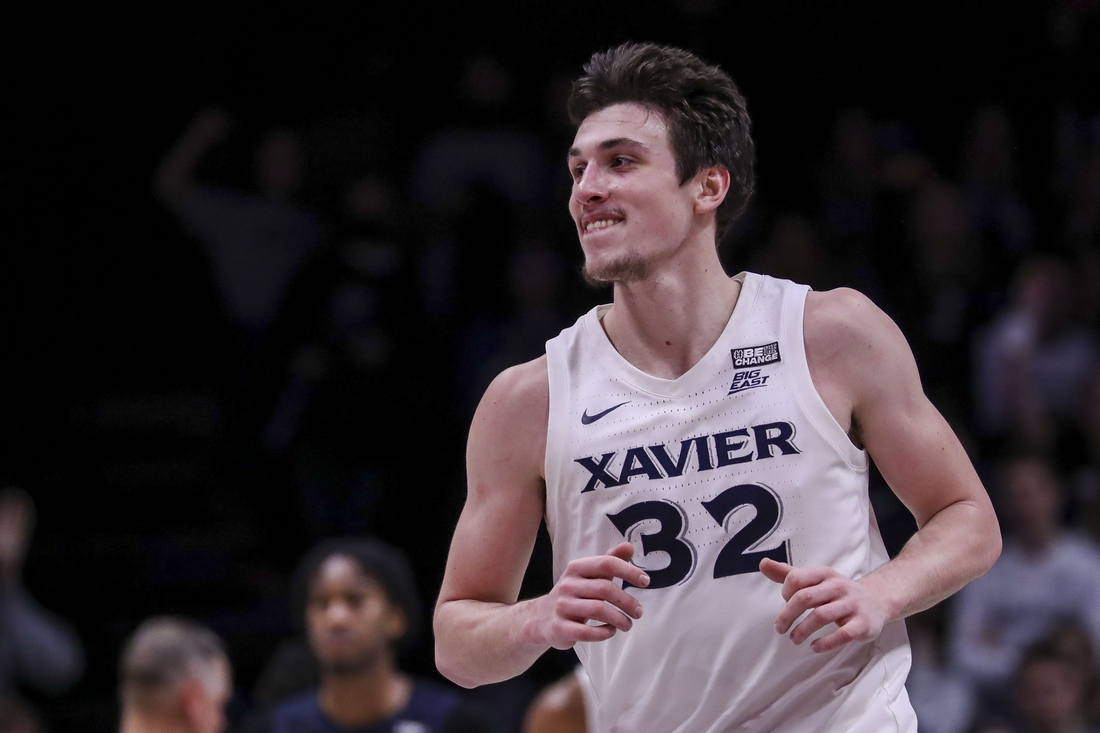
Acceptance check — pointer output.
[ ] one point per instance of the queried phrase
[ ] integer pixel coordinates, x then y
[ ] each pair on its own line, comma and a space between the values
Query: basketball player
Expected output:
700, 450
175, 678
358, 602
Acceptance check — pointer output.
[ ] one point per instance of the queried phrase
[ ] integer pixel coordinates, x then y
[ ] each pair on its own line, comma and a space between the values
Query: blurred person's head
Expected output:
1032, 500
941, 232
1051, 690
174, 676
701, 107
17, 716
358, 602
1044, 288
279, 163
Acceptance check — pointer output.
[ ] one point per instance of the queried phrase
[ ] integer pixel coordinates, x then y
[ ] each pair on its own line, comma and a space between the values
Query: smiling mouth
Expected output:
599, 225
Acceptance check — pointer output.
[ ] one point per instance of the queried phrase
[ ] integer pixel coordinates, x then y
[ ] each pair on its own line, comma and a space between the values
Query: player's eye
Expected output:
577, 172
618, 161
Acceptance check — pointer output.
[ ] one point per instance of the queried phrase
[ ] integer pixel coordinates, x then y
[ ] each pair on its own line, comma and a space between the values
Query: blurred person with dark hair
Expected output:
358, 603
1045, 576
1033, 362
609, 439
995, 208
256, 241
174, 677
1051, 692
36, 647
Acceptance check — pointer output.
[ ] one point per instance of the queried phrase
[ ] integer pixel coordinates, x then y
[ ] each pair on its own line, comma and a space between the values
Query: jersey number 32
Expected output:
738, 556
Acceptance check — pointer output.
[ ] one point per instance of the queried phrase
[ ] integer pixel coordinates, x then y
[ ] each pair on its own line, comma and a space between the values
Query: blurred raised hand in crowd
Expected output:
37, 648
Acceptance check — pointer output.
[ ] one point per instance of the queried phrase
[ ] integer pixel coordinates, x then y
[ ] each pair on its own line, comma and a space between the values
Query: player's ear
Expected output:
713, 185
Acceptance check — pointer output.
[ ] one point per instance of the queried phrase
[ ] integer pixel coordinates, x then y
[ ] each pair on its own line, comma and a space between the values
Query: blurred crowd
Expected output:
367, 291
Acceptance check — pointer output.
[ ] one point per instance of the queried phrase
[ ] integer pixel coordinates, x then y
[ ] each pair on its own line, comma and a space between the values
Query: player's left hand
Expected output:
856, 608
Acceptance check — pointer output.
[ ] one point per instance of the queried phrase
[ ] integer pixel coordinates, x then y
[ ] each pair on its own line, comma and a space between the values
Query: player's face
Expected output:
349, 618
629, 207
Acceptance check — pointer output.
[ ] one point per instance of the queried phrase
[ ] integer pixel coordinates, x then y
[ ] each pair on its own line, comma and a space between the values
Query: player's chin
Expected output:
626, 268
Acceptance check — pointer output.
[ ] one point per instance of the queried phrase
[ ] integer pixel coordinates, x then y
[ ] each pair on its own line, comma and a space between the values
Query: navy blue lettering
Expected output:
784, 432
724, 446
599, 472
645, 466
672, 469
702, 452
667, 539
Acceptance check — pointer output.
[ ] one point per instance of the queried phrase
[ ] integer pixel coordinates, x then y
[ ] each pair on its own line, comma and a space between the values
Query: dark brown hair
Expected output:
708, 123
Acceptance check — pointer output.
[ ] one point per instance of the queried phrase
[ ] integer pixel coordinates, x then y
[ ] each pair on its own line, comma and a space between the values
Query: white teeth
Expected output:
601, 224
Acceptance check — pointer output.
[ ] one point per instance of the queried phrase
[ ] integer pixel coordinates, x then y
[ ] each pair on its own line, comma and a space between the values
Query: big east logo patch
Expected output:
747, 380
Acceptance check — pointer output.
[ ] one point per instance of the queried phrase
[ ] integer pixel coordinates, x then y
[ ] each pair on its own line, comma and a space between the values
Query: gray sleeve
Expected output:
43, 649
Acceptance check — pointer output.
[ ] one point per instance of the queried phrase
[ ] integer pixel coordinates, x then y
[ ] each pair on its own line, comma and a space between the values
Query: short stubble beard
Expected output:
629, 268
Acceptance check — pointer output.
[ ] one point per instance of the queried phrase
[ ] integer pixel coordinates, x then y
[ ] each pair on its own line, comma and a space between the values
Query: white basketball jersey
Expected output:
736, 460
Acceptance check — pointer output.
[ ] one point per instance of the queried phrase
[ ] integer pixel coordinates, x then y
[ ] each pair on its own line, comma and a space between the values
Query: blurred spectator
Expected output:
256, 241
793, 252
349, 338
359, 604
1043, 578
995, 207
566, 706
1033, 362
17, 716
942, 289
943, 698
470, 179
36, 647
488, 346
174, 678
1051, 692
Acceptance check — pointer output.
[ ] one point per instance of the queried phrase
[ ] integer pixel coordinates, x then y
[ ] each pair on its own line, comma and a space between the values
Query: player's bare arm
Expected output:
864, 370
483, 634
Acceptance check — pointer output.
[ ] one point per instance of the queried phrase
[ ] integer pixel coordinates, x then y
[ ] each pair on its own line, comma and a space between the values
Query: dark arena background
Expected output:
190, 413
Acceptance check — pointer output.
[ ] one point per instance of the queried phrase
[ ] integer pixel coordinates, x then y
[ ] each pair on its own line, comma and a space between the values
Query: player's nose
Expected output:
591, 186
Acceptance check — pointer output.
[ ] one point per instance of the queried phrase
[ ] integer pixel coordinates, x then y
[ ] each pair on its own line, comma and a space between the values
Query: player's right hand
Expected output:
588, 591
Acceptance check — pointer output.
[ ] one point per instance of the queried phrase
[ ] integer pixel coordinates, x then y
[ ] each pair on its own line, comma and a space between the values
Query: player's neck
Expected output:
364, 697
665, 324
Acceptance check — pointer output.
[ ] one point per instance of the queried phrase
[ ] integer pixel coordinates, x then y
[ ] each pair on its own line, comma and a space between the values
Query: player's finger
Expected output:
607, 591
819, 618
800, 578
609, 567
851, 631
804, 600
603, 632
583, 609
775, 571
625, 552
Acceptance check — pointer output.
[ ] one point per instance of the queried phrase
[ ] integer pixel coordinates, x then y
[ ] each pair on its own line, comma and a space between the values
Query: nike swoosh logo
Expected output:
587, 419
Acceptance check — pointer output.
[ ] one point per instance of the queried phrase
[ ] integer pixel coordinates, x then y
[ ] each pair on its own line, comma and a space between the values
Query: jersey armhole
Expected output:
557, 372
794, 308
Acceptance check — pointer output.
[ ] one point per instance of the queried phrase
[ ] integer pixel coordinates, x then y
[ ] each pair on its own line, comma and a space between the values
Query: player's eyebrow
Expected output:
614, 142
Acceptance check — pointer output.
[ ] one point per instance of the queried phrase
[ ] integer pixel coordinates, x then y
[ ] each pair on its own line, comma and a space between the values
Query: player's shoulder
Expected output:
522, 382
515, 407
844, 321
